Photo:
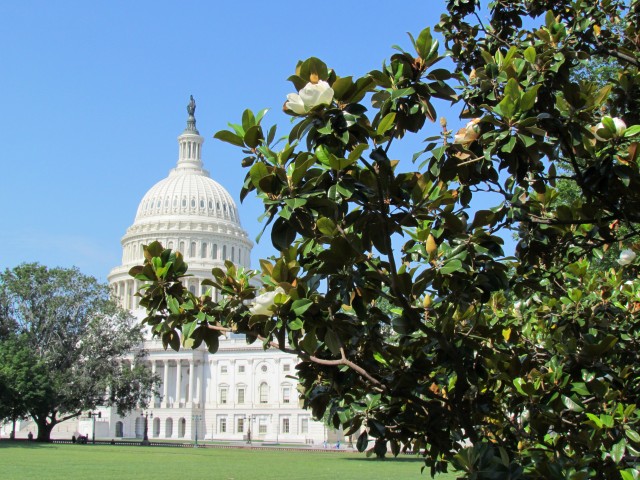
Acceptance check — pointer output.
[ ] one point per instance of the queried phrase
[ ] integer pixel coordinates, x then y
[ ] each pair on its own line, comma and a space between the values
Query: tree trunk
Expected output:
12, 435
44, 430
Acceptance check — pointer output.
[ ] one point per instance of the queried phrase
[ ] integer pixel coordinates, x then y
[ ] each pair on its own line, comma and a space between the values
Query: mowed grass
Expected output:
22, 461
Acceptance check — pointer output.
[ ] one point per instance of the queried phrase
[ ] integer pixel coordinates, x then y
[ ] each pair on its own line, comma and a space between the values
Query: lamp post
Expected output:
92, 416
196, 419
249, 430
145, 438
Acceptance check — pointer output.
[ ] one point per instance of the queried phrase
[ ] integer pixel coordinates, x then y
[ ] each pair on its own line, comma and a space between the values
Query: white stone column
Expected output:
125, 294
165, 387
153, 372
198, 394
189, 392
178, 382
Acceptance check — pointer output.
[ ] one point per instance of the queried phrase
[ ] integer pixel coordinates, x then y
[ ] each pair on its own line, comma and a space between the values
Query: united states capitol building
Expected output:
243, 391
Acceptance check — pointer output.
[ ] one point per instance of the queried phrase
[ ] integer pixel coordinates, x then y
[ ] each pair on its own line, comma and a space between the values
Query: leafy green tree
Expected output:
65, 353
504, 367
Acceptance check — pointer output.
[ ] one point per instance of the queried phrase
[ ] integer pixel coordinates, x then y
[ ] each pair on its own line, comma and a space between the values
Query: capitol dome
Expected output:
188, 211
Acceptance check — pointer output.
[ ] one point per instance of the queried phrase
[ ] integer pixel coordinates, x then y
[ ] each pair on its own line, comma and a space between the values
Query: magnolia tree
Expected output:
412, 327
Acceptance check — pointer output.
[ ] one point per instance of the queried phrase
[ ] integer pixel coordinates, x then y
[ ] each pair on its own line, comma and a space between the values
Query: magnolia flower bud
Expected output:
426, 303
262, 303
626, 257
312, 95
620, 128
468, 134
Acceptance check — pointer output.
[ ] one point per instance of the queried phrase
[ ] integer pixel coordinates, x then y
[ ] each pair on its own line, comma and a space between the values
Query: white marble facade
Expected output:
241, 390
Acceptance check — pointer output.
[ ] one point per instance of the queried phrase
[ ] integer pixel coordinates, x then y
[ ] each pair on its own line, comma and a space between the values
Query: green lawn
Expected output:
26, 461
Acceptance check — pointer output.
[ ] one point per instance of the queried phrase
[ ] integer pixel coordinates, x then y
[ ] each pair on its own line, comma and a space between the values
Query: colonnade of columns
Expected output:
183, 394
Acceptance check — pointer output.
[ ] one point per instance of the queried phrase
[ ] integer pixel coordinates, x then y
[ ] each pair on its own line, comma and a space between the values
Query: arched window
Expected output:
119, 429
156, 427
168, 428
233, 254
201, 203
224, 252
192, 289
214, 252
239, 255
170, 245
203, 252
139, 427
263, 392
182, 426
184, 202
181, 249
193, 202
192, 250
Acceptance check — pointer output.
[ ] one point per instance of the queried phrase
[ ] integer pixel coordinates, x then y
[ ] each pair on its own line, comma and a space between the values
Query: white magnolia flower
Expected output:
262, 303
312, 95
468, 134
620, 128
626, 257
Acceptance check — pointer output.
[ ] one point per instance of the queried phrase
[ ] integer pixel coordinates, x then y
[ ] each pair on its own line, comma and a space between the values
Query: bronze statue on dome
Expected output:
191, 108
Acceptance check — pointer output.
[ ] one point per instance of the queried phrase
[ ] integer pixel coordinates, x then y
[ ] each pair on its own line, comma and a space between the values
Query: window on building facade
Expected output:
264, 392
264, 368
223, 425
286, 367
223, 395
285, 425
192, 289
240, 368
214, 252
181, 249
224, 252
304, 425
241, 395
192, 250
223, 369
240, 425
286, 394
203, 253
262, 425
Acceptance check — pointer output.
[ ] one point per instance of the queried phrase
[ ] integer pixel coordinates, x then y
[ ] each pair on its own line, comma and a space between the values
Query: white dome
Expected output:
189, 212
188, 193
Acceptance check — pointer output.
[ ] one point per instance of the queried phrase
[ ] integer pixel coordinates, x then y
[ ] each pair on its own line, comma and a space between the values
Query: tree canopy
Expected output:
64, 348
519, 366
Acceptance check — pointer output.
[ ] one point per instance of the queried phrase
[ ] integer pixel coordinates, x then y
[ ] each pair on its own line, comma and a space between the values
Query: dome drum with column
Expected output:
242, 391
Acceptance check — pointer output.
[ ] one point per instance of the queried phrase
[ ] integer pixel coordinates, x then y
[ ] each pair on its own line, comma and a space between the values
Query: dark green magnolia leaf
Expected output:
363, 442
258, 171
571, 404
229, 137
333, 342
187, 330
253, 137
248, 119
213, 342
301, 305
296, 324
282, 234
451, 266
617, 451
386, 123
326, 226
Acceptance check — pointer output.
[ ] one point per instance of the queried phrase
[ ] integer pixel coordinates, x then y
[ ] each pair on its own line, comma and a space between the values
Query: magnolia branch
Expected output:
343, 360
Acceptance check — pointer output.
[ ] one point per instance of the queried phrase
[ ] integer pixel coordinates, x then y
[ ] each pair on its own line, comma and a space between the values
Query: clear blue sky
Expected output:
93, 96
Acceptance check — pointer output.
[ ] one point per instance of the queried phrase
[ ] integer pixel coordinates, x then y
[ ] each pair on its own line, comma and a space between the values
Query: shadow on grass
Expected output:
385, 460
24, 444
